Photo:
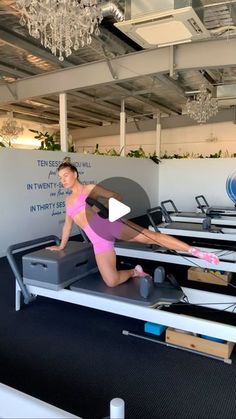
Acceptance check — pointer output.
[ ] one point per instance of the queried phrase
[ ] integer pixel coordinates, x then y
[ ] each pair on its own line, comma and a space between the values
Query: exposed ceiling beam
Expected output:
19, 42
41, 121
43, 115
208, 54
154, 103
171, 83
13, 71
91, 116
125, 93
75, 108
103, 105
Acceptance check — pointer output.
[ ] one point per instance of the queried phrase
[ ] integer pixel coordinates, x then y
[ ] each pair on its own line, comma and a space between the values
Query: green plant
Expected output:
216, 155
139, 153
71, 147
5, 142
154, 157
50, 141
114, 152
47, 141
187, 155
110, 152
97, 152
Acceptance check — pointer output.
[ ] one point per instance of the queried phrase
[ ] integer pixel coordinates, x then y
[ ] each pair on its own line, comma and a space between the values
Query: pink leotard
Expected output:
101, 232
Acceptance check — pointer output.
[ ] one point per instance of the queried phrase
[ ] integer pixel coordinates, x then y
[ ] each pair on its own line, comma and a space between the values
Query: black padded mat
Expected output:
44, 254
128, 292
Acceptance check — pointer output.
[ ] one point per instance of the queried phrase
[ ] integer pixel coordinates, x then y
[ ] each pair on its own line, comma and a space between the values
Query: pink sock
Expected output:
209, 257
139, 271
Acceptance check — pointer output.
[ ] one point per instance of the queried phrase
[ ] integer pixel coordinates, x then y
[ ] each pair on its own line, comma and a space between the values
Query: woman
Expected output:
102, 233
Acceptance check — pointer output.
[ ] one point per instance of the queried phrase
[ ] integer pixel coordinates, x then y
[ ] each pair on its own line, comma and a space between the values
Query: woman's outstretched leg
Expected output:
136, 233
133, 232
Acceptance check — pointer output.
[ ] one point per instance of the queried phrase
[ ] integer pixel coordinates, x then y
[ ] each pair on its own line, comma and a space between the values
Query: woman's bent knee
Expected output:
111, 281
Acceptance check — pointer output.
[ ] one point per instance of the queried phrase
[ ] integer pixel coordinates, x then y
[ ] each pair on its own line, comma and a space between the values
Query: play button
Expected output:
117, 209
134, 203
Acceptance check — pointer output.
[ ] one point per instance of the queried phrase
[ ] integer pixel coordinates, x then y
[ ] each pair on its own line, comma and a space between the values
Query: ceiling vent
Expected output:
163, 22
226, 95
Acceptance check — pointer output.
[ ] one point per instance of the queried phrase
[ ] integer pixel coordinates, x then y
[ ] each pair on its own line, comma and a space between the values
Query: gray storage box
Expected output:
56, 270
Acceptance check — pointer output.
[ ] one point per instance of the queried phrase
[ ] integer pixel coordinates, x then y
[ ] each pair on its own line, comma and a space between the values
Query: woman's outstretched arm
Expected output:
66, 230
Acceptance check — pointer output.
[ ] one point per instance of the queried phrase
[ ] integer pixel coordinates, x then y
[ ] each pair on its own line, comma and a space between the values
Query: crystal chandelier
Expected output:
61, 25
203, 106
9, 131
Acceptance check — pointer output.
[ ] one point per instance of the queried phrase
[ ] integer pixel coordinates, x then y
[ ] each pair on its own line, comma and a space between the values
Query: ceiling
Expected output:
22, 56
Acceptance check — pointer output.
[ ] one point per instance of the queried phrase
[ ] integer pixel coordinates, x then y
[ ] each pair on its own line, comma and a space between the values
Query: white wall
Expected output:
32, 201
203, 139
182, 180
133, 141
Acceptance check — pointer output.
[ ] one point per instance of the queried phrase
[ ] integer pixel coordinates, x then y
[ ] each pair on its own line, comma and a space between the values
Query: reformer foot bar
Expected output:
107, 300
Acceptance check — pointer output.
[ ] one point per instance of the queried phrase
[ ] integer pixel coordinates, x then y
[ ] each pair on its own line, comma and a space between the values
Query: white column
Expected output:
122, 128
158, 135
63, 121
117, 409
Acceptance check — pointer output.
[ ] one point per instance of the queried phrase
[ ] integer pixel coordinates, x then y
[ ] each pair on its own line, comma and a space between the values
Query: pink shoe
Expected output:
138, 271
209, 257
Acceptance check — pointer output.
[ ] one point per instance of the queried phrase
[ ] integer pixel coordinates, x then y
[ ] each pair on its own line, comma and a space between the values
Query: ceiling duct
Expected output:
226, 95
110, 8
163, 22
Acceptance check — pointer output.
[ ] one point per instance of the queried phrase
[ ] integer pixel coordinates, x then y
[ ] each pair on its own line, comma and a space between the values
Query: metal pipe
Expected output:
112, 9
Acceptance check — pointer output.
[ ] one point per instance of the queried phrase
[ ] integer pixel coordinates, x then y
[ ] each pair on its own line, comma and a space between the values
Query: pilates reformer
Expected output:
189, 229
74, 270
214, 214
214, 210
71, 275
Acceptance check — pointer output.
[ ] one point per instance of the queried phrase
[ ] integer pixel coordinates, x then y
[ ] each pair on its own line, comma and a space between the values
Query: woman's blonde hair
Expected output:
66, 164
